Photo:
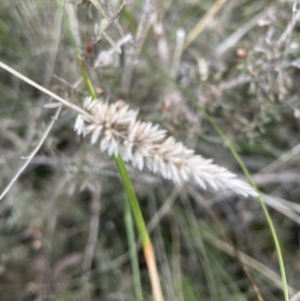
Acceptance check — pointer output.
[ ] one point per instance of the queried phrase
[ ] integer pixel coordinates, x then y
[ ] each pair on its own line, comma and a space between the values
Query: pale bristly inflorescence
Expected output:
144, 144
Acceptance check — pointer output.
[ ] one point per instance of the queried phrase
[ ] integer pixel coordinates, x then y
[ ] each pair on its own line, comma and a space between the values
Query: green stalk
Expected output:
72, 32
133, 253
188, 94
251, 181
139, 220
142, 228
135, 207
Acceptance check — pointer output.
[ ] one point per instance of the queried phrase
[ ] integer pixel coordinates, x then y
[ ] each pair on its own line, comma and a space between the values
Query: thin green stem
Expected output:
133, 252
135, 207
142, 228
139, 220
189, 95
72, 32
250, 179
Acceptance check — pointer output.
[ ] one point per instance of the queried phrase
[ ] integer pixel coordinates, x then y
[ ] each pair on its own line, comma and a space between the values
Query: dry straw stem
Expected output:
146, 20
227, 238
87, 117
44, 90
271, 277
232, 40
145, 144
282, 159
93, 233
198, 28
110, 20
53, 95
150, 259
296, 297
289, 28
31, 156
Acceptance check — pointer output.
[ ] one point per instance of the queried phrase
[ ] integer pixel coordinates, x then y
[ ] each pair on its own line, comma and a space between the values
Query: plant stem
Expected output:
140, 223
147, 246
70, 18
133, 252
189, 95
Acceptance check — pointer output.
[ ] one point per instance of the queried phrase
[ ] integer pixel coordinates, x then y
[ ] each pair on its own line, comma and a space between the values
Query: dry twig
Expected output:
31, 156
93, 234
132, 55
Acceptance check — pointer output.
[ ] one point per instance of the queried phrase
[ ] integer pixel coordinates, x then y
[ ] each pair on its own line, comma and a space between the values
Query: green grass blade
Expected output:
142, 228
135, 207
75, 42
133, 252
189, 95
251, 181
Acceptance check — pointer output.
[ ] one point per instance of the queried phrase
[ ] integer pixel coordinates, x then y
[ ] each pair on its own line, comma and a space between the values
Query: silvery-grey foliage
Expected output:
145, 144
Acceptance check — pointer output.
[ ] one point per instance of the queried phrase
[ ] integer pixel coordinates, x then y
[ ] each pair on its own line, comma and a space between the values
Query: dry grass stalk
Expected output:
198, 28
31, 156
147, 19
144, 144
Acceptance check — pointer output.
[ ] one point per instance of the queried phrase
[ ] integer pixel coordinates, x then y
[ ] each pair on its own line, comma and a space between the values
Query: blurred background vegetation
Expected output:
243, 68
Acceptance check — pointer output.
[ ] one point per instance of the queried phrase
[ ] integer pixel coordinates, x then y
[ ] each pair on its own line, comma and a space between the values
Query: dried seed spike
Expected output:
143, 143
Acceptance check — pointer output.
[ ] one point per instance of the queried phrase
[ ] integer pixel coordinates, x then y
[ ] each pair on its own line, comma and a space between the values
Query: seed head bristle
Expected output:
145, 144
